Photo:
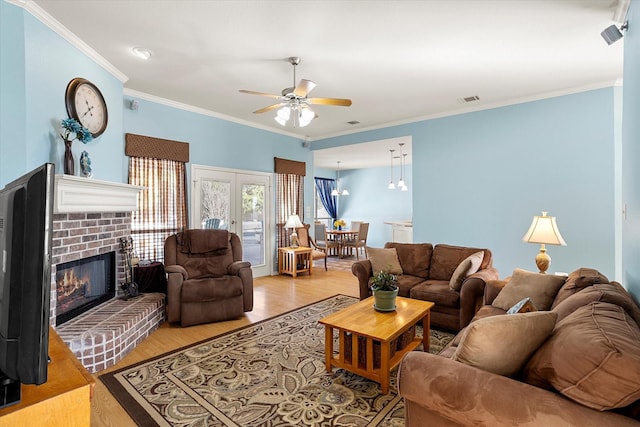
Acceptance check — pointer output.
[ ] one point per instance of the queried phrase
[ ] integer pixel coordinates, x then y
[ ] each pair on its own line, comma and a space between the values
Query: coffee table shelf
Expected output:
362, 322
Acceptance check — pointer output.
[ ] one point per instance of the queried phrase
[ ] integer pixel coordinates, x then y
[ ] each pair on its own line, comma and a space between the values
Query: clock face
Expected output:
86, 104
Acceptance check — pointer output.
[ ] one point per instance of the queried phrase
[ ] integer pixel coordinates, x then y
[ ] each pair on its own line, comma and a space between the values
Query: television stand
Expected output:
9, 391
64, 400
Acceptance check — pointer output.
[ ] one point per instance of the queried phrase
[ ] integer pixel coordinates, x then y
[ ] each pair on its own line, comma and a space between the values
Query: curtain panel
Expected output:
325, 186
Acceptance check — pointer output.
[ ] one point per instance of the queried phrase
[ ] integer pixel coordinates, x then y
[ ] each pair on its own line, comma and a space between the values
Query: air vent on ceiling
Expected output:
468, 99
354, 122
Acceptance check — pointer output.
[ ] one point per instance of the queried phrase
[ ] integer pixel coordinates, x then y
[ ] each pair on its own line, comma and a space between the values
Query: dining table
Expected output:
340, 236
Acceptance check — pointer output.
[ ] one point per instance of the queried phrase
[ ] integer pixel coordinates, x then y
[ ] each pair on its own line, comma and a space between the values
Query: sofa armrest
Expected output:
439, 389
363, 271
472, 292
492, 289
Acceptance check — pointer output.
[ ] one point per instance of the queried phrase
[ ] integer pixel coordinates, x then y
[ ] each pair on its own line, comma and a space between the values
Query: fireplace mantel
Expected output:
76, 194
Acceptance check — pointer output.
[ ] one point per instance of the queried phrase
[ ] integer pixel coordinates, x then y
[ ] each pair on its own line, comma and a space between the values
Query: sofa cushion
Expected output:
436, 291
405, 284
592, 357
446, 259
468, 266
611, 292
541, 288
578, 280
503, 344
384, 259
415, 258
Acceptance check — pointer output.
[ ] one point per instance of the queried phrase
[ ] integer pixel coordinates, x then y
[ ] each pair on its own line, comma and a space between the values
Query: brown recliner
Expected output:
207, 279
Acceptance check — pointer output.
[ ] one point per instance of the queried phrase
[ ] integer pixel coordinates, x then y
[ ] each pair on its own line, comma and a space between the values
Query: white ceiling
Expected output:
399, 61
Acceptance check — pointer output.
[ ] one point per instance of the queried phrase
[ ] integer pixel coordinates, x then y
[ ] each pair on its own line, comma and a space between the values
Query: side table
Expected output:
294, 260
150, 278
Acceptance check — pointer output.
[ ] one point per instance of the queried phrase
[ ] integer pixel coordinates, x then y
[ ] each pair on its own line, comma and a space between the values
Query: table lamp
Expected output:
294, 222
544, 230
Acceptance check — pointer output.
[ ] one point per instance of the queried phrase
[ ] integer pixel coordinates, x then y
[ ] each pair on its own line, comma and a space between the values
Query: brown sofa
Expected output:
585, 372
426, 273
207, 279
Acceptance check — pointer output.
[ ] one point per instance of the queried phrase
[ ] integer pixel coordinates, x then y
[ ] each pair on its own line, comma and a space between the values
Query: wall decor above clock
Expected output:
86, 104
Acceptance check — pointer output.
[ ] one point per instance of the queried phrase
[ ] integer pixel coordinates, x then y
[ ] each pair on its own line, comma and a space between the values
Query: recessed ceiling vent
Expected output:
468, 99
354, 122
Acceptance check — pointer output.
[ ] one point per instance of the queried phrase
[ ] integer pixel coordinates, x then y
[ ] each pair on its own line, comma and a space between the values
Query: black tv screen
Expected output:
26, 232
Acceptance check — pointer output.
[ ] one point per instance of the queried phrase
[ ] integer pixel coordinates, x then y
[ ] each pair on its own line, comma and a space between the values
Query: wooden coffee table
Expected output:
362, 320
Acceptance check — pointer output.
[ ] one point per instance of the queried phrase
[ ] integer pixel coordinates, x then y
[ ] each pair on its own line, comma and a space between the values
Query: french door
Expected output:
238, 201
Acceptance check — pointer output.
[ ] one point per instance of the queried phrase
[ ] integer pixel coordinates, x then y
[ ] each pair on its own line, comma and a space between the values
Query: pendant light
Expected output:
401, 183
337, 191
404, 184
391, 186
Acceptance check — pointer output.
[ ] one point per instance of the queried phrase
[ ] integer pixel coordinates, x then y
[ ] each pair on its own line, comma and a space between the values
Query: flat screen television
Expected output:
26, 232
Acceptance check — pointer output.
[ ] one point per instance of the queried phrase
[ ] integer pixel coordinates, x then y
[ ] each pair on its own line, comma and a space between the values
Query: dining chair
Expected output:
355, 225
322, 239
360, 240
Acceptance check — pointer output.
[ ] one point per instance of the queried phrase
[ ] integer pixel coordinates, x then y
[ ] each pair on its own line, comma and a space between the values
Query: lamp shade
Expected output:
544, 230
293, 222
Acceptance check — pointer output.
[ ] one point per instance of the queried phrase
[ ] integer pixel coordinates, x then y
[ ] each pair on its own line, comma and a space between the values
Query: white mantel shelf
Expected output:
74, 194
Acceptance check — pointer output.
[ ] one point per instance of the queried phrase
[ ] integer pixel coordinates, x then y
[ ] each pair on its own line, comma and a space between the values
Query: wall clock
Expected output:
86, 104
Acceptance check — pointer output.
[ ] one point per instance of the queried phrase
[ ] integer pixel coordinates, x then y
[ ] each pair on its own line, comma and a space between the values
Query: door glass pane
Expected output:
253, 217
215, 197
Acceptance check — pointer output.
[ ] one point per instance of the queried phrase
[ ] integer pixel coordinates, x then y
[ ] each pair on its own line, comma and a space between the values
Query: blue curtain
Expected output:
325, 186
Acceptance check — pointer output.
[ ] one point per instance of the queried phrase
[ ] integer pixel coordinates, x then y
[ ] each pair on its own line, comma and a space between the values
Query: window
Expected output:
160, 166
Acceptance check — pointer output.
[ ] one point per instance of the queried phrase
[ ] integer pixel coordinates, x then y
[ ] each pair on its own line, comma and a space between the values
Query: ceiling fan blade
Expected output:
303, 88
252, 92
269, 108
330, 101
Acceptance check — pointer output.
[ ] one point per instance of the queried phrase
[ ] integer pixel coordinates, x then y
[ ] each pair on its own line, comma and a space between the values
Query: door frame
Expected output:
200, 171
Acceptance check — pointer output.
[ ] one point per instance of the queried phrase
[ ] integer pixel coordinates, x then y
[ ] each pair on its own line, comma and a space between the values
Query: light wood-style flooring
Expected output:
272, 296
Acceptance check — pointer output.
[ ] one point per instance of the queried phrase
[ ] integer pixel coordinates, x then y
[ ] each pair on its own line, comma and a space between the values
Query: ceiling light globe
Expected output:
280, 120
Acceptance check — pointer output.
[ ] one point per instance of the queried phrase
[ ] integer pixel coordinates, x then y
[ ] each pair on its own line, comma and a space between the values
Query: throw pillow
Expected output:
541, 288
503, 344
384, 260
468, 266
592, 357
523, 306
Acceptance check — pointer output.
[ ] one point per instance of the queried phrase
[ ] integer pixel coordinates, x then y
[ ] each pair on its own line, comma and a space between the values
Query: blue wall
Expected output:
479, 178
631, 153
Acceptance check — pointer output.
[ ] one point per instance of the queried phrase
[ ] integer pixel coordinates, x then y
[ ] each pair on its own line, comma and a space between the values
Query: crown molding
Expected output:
193, 109
48, 20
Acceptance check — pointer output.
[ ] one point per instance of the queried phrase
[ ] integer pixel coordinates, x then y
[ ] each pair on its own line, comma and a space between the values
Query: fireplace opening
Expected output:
83, 284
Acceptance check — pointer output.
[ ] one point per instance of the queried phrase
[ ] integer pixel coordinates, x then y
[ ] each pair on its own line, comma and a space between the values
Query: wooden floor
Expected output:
272, 296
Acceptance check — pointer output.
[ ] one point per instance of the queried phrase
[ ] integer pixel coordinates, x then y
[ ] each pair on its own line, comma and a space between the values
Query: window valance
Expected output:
156, 148
284, 166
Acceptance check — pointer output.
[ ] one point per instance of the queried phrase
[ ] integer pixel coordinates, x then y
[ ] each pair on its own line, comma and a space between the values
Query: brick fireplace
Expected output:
90, 217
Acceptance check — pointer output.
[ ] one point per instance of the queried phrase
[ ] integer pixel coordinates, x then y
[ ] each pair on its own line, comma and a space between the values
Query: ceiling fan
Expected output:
294, 99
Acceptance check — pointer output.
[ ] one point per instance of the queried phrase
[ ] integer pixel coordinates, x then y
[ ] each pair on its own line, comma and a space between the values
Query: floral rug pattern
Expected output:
270, 373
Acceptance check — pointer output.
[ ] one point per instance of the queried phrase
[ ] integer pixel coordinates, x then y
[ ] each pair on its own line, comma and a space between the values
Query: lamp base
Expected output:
543, 261
294, 240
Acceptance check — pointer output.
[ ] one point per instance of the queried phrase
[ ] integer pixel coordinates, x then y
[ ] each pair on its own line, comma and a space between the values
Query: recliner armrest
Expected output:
235, 267
177, 269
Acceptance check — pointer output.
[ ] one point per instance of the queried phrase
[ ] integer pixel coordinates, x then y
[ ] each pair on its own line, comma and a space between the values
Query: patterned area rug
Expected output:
271, 373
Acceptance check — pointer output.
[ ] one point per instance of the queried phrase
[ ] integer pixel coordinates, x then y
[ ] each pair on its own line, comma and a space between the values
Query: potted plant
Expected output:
385, 290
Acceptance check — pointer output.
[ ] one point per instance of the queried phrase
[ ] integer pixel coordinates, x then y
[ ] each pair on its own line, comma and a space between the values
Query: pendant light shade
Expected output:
337, 191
